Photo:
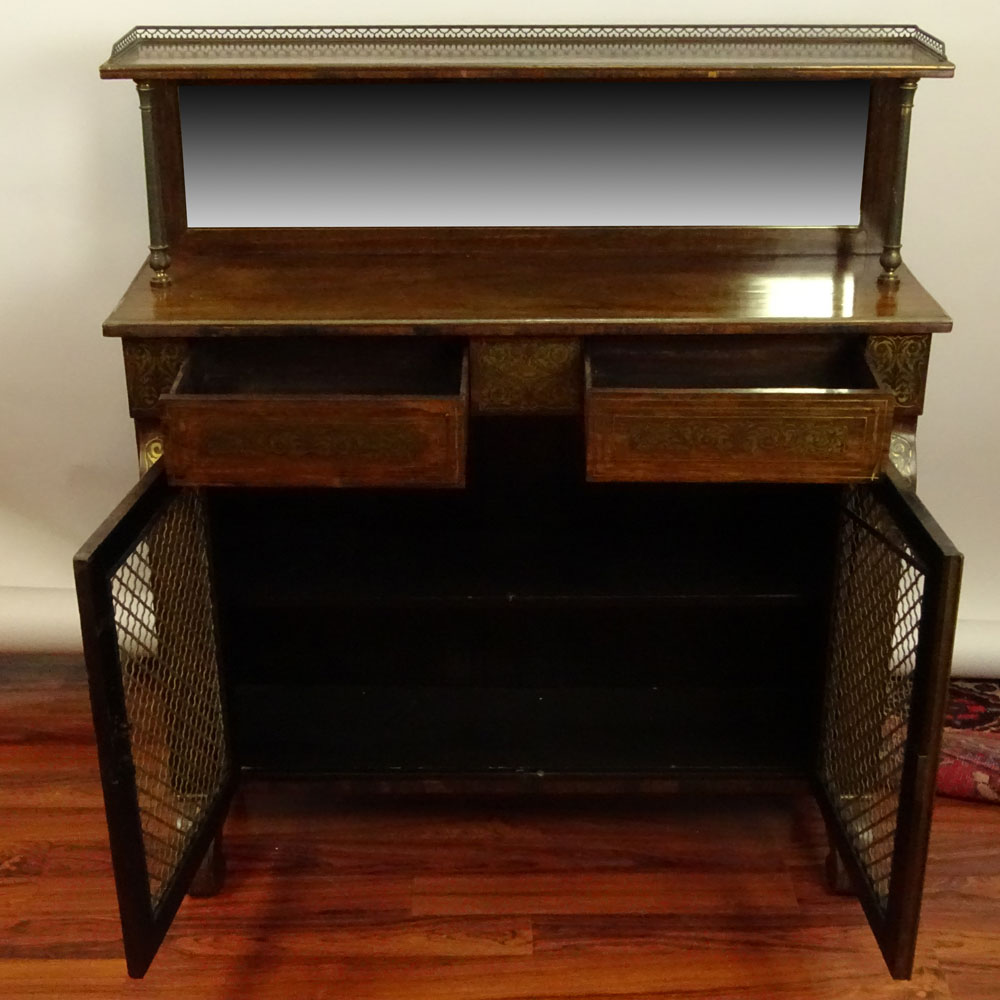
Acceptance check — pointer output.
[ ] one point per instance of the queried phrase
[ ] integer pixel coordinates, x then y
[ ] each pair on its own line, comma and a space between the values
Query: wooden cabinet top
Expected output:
499, 293
508, 52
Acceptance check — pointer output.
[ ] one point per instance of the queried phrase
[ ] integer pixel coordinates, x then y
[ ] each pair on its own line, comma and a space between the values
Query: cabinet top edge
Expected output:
529, 51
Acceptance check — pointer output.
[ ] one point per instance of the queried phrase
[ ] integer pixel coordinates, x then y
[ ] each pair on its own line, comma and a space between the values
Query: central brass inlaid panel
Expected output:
521, 375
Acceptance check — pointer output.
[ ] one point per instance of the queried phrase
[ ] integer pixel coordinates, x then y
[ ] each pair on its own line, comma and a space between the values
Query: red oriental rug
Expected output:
970, 750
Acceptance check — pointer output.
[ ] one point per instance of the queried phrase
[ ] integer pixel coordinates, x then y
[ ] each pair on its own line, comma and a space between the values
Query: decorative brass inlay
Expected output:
903, 455
901, 364
739, 437
150, 369
150, 453
398, 443
526, 376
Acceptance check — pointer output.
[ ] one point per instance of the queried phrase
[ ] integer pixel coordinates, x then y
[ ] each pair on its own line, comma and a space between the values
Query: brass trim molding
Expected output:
535, 33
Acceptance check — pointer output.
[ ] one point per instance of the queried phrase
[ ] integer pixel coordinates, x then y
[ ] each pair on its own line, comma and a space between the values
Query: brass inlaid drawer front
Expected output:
234, 422
522, 375
643, 423
717, 438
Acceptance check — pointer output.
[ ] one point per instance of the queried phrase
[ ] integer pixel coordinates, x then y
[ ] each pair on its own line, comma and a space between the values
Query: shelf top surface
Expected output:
600, 51
529, 293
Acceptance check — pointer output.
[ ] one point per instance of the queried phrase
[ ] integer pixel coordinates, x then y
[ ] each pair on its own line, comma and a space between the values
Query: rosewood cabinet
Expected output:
506, 505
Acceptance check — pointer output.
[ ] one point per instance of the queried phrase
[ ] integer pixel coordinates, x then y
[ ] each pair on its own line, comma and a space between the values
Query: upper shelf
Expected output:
491, 294
630, 51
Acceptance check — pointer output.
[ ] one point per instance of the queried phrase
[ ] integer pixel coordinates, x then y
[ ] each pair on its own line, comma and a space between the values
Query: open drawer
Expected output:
323, 412
792, 408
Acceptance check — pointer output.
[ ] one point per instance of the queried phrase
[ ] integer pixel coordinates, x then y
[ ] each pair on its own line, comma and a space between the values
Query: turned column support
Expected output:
159, 256
891, 257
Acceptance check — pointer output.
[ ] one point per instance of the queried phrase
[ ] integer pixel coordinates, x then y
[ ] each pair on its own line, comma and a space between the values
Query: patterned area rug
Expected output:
970, 750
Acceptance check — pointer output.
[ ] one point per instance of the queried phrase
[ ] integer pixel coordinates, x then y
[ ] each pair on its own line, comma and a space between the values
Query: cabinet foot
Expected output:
838, 880
211, 874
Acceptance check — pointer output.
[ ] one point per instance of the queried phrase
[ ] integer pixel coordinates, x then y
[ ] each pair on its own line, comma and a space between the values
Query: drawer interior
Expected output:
793, 361
341, 366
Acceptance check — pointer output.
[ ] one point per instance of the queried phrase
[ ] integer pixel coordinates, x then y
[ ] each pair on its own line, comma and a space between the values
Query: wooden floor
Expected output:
673, 897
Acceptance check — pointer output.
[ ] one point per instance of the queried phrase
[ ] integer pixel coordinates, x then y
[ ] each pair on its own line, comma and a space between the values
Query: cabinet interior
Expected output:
531, 622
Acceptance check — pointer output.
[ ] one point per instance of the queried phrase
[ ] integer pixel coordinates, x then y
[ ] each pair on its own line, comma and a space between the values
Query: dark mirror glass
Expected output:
484, 153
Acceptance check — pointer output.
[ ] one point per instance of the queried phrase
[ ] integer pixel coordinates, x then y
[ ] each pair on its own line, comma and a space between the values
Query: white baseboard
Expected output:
39, 620
977, 649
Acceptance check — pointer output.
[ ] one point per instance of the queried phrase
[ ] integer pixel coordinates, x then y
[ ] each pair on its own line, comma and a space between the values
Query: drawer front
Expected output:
731, 436
338, 441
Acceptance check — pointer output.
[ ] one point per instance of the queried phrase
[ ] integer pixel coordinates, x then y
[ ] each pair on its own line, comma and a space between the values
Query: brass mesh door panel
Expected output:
147, 609
894, 604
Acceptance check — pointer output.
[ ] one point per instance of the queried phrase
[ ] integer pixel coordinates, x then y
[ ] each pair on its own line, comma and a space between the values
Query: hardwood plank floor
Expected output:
425, 897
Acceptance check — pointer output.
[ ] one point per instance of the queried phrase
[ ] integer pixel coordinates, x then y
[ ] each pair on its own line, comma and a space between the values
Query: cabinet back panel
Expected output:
529, 621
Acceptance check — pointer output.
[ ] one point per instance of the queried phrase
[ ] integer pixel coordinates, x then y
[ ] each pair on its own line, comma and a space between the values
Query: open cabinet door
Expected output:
150, 640
895, 601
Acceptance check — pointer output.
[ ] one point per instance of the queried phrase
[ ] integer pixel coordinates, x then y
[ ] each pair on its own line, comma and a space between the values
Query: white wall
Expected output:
73, 233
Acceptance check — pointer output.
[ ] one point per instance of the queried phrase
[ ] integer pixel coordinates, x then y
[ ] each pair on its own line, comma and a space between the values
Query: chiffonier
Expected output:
522, 407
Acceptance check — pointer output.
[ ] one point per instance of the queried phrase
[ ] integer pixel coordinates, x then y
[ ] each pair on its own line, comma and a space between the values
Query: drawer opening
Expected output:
796, 362
767, 409
324, 366
288, 412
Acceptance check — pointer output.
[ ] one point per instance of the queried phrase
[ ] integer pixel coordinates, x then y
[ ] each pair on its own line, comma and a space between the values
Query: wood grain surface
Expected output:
494, 897
489, 291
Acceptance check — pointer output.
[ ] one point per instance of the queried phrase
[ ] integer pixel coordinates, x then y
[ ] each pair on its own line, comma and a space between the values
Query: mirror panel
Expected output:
496, 153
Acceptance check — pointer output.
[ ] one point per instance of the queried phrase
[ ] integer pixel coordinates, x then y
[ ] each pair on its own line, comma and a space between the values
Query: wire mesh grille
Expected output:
877, 609
165, 631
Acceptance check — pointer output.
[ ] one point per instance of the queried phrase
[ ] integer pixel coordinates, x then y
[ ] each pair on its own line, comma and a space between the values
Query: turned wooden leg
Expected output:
211, 874
838, 879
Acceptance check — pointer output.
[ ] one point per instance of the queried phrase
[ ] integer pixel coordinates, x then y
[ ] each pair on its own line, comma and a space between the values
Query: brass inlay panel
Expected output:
739, 437
150, 369
347, 441
149, 443
526, 376
901, 364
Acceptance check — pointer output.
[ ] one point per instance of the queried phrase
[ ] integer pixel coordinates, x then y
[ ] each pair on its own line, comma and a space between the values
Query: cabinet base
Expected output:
211, 874
838, 879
